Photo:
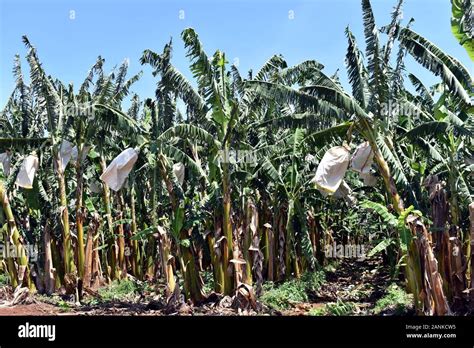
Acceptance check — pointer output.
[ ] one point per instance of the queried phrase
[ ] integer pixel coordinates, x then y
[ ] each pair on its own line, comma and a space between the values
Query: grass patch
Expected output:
291, 292
65, 306
318, 312
123, 290
4, 279
56, 300
361, 292
339, 308
119, 291
396, 300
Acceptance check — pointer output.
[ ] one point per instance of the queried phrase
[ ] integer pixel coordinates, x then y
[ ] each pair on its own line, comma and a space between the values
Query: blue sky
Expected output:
69, 42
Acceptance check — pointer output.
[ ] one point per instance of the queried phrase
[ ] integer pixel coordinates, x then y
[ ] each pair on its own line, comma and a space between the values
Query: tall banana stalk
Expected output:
136, 256
80, 213
121, 234
69, 266
18, 276
226, 224
112, 269
10, 261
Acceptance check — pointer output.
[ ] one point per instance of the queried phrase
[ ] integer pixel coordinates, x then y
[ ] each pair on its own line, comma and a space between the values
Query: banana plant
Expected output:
373, 94
462, 24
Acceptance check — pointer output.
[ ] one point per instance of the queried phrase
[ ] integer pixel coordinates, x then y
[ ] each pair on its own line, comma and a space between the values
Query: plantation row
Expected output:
253, 179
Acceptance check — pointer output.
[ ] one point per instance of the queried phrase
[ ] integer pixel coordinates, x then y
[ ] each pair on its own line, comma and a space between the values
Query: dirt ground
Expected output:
361, 282
36, 309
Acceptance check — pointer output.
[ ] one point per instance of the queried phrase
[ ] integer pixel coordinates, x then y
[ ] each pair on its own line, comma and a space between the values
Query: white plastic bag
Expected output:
68, 153
343, 190
363, 158
5, 161
331, 169
75, 153
27, 172
178, 169
118, 170
65, 153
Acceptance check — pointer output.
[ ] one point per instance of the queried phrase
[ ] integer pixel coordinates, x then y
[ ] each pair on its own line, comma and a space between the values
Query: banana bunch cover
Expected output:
117, 171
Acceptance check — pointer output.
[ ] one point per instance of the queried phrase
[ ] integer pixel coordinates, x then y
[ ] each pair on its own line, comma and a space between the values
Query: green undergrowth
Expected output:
293, 291
339, 308
4, 279
208, 280
119, 290
124, 290
396, 301
56, 300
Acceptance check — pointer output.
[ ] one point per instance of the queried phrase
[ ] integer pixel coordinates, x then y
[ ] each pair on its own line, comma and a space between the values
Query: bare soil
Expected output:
360, 282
